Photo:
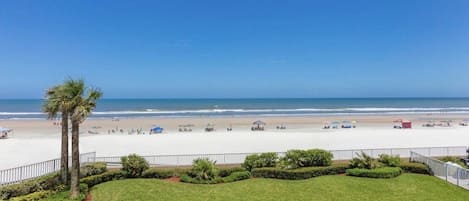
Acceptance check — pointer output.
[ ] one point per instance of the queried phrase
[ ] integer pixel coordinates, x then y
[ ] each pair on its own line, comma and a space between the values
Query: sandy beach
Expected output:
39, 140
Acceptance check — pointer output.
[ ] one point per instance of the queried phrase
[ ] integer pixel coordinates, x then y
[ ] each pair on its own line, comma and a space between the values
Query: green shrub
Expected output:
39, 195
84, 188
389, 160
93, 169
293, 159
158, 173
269, 159
134, 165
224, 172
189, 179
418, 168
105, 177
203, 169
363, 161
47, 182
250, 162
318, 157
235, 176
306, 158
300, 173
383, 172
83, 191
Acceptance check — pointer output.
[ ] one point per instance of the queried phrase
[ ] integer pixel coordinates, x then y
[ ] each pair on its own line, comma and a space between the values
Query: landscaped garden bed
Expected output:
295, 165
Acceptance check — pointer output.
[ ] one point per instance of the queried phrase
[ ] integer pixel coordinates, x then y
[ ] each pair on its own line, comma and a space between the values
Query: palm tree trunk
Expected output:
75, 180
64, 151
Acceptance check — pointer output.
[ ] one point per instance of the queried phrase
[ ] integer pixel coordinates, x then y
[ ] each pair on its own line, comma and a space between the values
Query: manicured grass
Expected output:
405, 187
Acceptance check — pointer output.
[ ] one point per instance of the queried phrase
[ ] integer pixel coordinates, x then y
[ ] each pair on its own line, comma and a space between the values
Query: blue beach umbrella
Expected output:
157, 129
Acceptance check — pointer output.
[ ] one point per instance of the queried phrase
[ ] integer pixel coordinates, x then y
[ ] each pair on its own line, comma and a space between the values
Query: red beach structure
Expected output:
406, 124
403, 123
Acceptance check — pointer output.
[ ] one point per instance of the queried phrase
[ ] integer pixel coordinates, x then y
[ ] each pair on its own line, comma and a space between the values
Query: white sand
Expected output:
28, 147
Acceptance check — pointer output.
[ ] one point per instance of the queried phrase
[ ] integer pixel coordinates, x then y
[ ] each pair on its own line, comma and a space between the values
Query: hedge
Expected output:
418, 168
235, 176
158, 173
39, 195
105, 177
93, 169
47, 182
384, 172
300, 173
224, 172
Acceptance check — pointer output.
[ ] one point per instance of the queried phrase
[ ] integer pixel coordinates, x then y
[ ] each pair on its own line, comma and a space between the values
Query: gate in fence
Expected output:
449, 172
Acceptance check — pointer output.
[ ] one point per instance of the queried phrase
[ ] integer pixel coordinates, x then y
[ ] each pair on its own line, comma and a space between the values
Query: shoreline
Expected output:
266, 115
44, 126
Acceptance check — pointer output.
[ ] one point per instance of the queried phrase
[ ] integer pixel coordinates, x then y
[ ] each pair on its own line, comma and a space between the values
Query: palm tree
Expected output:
56, 101
83, 102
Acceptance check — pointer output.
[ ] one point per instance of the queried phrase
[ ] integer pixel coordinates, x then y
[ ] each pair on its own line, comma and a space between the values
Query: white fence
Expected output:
237, 158
448, 172
19, 174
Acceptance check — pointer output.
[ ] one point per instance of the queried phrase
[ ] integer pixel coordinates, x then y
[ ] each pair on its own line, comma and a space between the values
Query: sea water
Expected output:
127, 108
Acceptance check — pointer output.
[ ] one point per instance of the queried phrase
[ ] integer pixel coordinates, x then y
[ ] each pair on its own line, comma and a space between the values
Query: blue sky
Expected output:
227, 49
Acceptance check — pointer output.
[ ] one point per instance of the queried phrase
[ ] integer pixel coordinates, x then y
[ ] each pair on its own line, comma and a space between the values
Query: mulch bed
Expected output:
88, 197
173, 179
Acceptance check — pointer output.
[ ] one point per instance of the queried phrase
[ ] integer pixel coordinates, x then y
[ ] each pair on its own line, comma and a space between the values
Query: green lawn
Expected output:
405, 187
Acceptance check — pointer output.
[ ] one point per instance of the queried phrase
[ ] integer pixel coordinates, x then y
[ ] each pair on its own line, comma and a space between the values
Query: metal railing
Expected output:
446, 171
27, 172
237, 158
18, 174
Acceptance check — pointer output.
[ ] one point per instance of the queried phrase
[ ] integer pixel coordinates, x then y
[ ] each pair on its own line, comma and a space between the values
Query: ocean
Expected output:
126, 108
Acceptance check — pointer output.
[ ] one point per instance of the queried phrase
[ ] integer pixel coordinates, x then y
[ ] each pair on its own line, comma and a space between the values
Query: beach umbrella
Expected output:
157, 129
5, 129
259, 122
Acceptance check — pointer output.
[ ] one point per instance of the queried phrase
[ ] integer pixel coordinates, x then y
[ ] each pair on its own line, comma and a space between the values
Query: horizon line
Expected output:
228, 98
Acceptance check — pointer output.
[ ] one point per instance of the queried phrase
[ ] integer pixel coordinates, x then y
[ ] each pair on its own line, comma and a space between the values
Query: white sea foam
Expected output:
299, 111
